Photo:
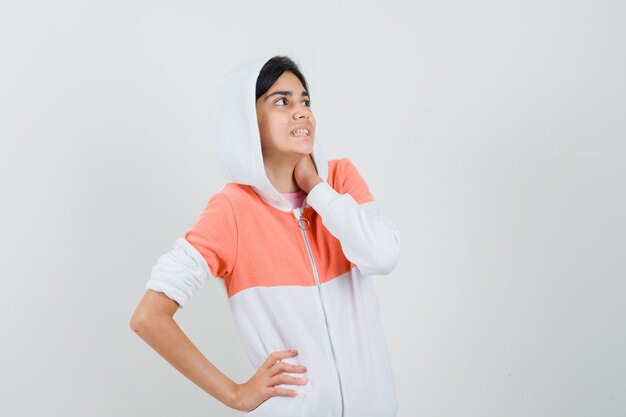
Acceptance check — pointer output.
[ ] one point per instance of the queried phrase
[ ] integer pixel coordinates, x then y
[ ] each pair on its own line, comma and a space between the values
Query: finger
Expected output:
274, 357
281, 366
287, 379
282, 392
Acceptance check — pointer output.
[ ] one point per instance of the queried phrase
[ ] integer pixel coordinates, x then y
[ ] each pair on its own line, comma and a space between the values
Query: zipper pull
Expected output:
302, 220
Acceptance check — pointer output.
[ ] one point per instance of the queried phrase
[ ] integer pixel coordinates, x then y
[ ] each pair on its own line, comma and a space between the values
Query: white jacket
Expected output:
290, 286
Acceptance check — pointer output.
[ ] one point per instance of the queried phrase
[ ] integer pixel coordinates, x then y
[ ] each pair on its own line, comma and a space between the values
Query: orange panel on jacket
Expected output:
249, 243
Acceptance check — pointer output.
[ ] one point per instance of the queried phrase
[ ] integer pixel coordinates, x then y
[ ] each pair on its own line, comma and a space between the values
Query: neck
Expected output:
280, 174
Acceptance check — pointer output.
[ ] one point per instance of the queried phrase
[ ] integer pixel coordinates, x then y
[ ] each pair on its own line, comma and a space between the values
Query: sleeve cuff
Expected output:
322, 196
179, 273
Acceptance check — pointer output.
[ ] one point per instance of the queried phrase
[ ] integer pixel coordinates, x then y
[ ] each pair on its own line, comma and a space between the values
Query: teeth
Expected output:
300, 132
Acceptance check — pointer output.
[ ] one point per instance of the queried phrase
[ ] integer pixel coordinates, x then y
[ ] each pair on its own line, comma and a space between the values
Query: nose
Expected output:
302, 113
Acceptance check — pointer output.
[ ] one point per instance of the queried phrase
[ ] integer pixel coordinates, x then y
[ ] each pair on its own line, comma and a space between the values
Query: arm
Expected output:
153, 321
368, 237
177, 275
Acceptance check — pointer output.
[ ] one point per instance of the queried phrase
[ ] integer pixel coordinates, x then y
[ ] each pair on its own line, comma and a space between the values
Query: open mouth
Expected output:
300, 132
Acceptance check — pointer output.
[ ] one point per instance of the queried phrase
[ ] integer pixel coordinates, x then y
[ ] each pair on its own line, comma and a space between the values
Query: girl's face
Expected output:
286, 122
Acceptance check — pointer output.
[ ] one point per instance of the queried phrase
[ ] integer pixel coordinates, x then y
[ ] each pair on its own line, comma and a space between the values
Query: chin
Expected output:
304, 148
300, 155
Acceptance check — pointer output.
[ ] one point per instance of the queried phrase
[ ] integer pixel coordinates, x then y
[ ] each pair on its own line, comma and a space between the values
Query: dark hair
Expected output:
272, 70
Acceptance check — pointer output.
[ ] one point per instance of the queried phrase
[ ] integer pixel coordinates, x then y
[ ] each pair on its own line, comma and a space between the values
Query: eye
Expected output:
307, 103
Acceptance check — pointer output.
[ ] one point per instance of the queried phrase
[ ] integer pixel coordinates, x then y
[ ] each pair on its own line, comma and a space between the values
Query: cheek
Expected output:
279, 126
276, 125
276, 130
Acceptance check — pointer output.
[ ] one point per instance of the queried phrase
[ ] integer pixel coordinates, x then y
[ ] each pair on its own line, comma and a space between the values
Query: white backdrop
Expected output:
493, 133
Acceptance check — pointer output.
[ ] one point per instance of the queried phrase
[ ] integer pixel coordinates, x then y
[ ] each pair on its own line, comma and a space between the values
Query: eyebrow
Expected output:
286, 93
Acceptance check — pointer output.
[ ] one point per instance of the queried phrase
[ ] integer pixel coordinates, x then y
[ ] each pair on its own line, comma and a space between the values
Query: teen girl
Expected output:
295, 240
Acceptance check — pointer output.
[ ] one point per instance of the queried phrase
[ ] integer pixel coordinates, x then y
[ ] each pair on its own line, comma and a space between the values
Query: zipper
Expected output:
298, 213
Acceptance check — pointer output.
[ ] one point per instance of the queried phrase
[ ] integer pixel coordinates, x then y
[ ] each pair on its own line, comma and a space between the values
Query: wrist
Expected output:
312, 183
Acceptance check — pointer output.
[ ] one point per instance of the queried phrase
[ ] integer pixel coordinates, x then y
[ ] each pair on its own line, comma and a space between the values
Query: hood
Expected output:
234, 133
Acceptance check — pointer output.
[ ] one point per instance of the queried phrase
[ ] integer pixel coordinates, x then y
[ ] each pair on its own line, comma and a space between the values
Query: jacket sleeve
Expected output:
369, 238
208, 249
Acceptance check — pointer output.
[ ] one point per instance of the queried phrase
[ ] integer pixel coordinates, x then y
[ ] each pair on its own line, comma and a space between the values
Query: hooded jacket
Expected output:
296, 278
